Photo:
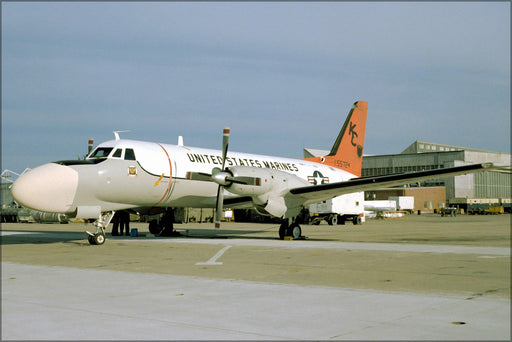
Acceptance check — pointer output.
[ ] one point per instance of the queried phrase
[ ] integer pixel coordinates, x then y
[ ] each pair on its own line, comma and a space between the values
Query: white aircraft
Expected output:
147, 176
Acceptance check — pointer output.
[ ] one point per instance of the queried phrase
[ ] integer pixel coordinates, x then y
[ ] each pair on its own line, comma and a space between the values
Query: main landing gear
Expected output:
101, 223
164, 226
291, 228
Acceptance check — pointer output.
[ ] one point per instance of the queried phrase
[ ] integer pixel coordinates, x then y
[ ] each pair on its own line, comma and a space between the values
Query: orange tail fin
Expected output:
347, 151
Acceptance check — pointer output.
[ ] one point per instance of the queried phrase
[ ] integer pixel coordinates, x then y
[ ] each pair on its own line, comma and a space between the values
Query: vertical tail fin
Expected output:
347, 151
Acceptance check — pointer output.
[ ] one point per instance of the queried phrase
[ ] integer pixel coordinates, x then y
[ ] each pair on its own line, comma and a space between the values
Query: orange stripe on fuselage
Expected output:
170, 176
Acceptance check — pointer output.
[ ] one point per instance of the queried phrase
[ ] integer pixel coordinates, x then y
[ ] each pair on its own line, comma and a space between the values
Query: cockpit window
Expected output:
101, 152
129, 154
117, 153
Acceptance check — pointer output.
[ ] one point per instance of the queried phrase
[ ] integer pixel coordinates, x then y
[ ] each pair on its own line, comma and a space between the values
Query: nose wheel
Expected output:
101, 223
96, 239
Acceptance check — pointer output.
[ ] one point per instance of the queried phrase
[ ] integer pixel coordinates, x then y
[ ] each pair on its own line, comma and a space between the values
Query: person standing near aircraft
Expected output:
121, 222
115, 226
124, 222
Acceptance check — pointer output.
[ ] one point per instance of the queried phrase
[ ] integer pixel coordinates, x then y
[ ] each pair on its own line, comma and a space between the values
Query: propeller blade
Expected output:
256, 181
225, 143
219, 206
199, 176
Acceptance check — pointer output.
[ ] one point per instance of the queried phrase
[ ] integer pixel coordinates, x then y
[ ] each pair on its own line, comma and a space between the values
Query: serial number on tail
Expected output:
342, 163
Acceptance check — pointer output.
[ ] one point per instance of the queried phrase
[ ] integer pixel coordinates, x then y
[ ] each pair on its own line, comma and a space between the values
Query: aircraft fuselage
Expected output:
147, 174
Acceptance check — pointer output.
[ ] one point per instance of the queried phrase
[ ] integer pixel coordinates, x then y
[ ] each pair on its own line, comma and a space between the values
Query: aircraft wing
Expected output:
315, 193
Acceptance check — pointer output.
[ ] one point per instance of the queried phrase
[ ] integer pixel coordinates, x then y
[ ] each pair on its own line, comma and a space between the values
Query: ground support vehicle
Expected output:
339, 210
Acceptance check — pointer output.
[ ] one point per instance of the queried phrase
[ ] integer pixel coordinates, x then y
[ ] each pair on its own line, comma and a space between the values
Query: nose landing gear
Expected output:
96, 238
101, 223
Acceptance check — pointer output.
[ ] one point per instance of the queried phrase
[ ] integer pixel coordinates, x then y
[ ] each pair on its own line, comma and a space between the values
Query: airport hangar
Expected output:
479, 190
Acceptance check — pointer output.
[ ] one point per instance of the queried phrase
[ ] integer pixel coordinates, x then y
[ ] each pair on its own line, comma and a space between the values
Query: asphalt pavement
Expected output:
420, 277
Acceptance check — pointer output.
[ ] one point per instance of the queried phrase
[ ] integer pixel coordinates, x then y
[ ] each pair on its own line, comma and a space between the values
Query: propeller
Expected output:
223, 177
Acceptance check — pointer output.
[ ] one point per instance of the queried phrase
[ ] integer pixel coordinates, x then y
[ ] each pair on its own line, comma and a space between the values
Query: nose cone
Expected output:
50, 187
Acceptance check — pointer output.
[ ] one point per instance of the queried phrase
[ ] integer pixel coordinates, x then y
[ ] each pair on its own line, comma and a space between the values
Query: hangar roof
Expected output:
425, 146
416, 147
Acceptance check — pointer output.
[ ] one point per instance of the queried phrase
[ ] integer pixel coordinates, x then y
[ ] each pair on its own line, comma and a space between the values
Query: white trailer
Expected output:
338, 210
404, 203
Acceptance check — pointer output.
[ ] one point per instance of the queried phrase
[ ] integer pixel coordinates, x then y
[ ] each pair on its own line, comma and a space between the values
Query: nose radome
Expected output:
50, 188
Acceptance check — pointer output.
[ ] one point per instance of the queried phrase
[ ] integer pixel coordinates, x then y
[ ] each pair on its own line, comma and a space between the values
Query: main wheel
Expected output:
357, 220
91, 240
296, 232
155, 228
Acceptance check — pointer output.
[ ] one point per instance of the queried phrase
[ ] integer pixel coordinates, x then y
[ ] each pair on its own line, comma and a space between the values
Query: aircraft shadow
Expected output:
38, 237
13, 237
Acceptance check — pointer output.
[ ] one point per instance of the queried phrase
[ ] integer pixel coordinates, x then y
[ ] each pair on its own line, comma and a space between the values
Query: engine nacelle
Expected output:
263, 183
270, 180
275, 206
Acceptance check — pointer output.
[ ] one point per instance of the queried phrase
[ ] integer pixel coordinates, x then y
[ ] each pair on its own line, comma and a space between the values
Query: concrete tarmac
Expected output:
421, 277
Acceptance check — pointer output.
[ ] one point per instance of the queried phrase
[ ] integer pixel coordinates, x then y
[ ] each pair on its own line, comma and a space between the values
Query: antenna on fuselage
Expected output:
116, 134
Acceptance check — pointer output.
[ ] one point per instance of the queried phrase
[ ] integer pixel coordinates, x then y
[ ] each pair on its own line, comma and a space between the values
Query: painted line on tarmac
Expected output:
213, 260
2, 233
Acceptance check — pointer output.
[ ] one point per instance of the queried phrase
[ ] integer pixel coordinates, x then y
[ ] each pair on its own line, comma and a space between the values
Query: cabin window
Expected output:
117, 153
101, 152
129, 154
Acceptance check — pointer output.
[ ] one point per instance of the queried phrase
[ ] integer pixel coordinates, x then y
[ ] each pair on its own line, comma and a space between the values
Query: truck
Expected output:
338, 210
492, 210
450, 211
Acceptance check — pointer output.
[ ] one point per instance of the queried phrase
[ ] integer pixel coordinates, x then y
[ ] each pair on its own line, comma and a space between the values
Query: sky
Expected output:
282, 75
